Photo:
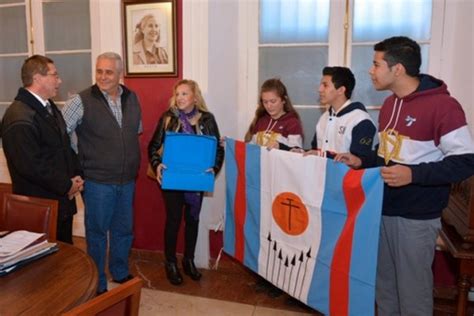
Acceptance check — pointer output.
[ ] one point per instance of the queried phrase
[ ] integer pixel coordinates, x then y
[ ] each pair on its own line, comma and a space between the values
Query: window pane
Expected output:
11, 1
10, 68
67, 25
75, 73
294, 21
377, 19
298, 67
309, 117
14, 41
374, 114
362, 57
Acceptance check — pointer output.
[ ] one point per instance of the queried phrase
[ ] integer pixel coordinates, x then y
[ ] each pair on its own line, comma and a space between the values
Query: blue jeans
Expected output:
109, 211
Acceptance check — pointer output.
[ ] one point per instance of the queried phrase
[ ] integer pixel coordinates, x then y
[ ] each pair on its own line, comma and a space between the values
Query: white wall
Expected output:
222, 99
106, 27
457, 66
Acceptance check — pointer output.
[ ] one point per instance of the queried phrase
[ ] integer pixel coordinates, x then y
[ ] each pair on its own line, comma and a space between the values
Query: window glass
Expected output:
13, 50
75, 73
14, 20
67, 25
10, 68
309, 117
298, 67
294, 21
362, 58
375, 20
11, 1
378, 19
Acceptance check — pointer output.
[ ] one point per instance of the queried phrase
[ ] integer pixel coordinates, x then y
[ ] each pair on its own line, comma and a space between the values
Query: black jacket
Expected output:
38, 151
206, 125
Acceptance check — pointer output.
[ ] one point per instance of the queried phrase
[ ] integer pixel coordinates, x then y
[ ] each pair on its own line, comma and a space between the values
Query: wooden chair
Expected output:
4, 188
20, 212
122, 300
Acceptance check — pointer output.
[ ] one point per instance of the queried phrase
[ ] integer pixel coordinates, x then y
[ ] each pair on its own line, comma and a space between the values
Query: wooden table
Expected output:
50, 285
464, 254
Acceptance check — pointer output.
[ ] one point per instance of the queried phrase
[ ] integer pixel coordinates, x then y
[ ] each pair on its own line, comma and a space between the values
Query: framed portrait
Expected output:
150, 38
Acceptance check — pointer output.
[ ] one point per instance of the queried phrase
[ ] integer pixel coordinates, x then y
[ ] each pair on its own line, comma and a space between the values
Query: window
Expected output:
57, 29
297, 38
372, 23
13, 48
67, 41
293, 46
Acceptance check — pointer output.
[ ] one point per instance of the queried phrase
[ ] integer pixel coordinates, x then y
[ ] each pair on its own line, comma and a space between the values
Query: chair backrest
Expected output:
4, 188
122, 300
20, 212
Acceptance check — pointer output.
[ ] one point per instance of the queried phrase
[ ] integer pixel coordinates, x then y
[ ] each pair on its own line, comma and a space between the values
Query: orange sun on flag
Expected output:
290, 213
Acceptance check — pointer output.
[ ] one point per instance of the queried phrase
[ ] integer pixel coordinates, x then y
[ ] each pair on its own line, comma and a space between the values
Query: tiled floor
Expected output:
229, 290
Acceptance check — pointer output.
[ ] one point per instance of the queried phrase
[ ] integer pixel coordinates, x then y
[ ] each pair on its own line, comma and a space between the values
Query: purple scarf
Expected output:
192, 198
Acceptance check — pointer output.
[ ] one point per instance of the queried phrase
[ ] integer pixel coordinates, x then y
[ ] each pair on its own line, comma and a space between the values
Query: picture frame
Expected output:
150, 39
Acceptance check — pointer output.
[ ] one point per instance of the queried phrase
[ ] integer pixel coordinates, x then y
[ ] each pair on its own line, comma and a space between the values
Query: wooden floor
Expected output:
232, 282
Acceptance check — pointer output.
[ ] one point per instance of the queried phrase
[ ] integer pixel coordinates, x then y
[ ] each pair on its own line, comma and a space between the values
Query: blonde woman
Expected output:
187, 114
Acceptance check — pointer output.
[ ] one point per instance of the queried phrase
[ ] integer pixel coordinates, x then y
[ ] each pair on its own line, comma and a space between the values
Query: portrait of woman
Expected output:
146, 47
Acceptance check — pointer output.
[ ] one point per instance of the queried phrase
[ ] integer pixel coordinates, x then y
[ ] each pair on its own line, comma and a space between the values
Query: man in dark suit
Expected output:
36, 144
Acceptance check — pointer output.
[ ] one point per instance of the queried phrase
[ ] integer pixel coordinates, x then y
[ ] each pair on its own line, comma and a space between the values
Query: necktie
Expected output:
49, 107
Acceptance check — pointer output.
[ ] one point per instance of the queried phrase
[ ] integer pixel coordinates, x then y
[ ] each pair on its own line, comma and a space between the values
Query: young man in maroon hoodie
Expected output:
424, 146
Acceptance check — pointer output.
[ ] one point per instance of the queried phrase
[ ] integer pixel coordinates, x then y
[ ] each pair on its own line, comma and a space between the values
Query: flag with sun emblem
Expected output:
307, 224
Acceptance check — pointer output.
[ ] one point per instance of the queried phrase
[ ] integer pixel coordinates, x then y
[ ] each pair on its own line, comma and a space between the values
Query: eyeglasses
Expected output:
54, 74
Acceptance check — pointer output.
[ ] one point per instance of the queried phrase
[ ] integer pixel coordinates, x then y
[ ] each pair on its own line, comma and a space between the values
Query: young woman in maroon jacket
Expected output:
276, 123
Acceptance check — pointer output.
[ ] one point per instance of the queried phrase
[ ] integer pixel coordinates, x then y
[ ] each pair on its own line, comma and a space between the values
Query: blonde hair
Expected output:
200, 103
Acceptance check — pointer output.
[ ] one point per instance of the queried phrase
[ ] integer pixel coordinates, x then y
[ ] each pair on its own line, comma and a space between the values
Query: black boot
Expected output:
190, 269
172, 273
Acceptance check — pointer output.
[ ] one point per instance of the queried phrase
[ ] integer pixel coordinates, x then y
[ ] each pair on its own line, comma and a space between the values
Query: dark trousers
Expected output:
64, 229
175, 205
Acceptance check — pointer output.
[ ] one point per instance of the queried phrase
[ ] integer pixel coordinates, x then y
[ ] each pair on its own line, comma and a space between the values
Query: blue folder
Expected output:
187, 157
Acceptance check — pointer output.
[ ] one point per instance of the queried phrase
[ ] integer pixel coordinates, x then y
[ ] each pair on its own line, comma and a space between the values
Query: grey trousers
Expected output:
404, 275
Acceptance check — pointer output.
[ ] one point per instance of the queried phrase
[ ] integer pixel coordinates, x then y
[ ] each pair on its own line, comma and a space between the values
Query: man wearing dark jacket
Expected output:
424, 146
36, 145
107, 120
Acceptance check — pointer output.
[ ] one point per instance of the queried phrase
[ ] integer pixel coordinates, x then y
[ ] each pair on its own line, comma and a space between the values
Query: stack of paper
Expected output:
21, 247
